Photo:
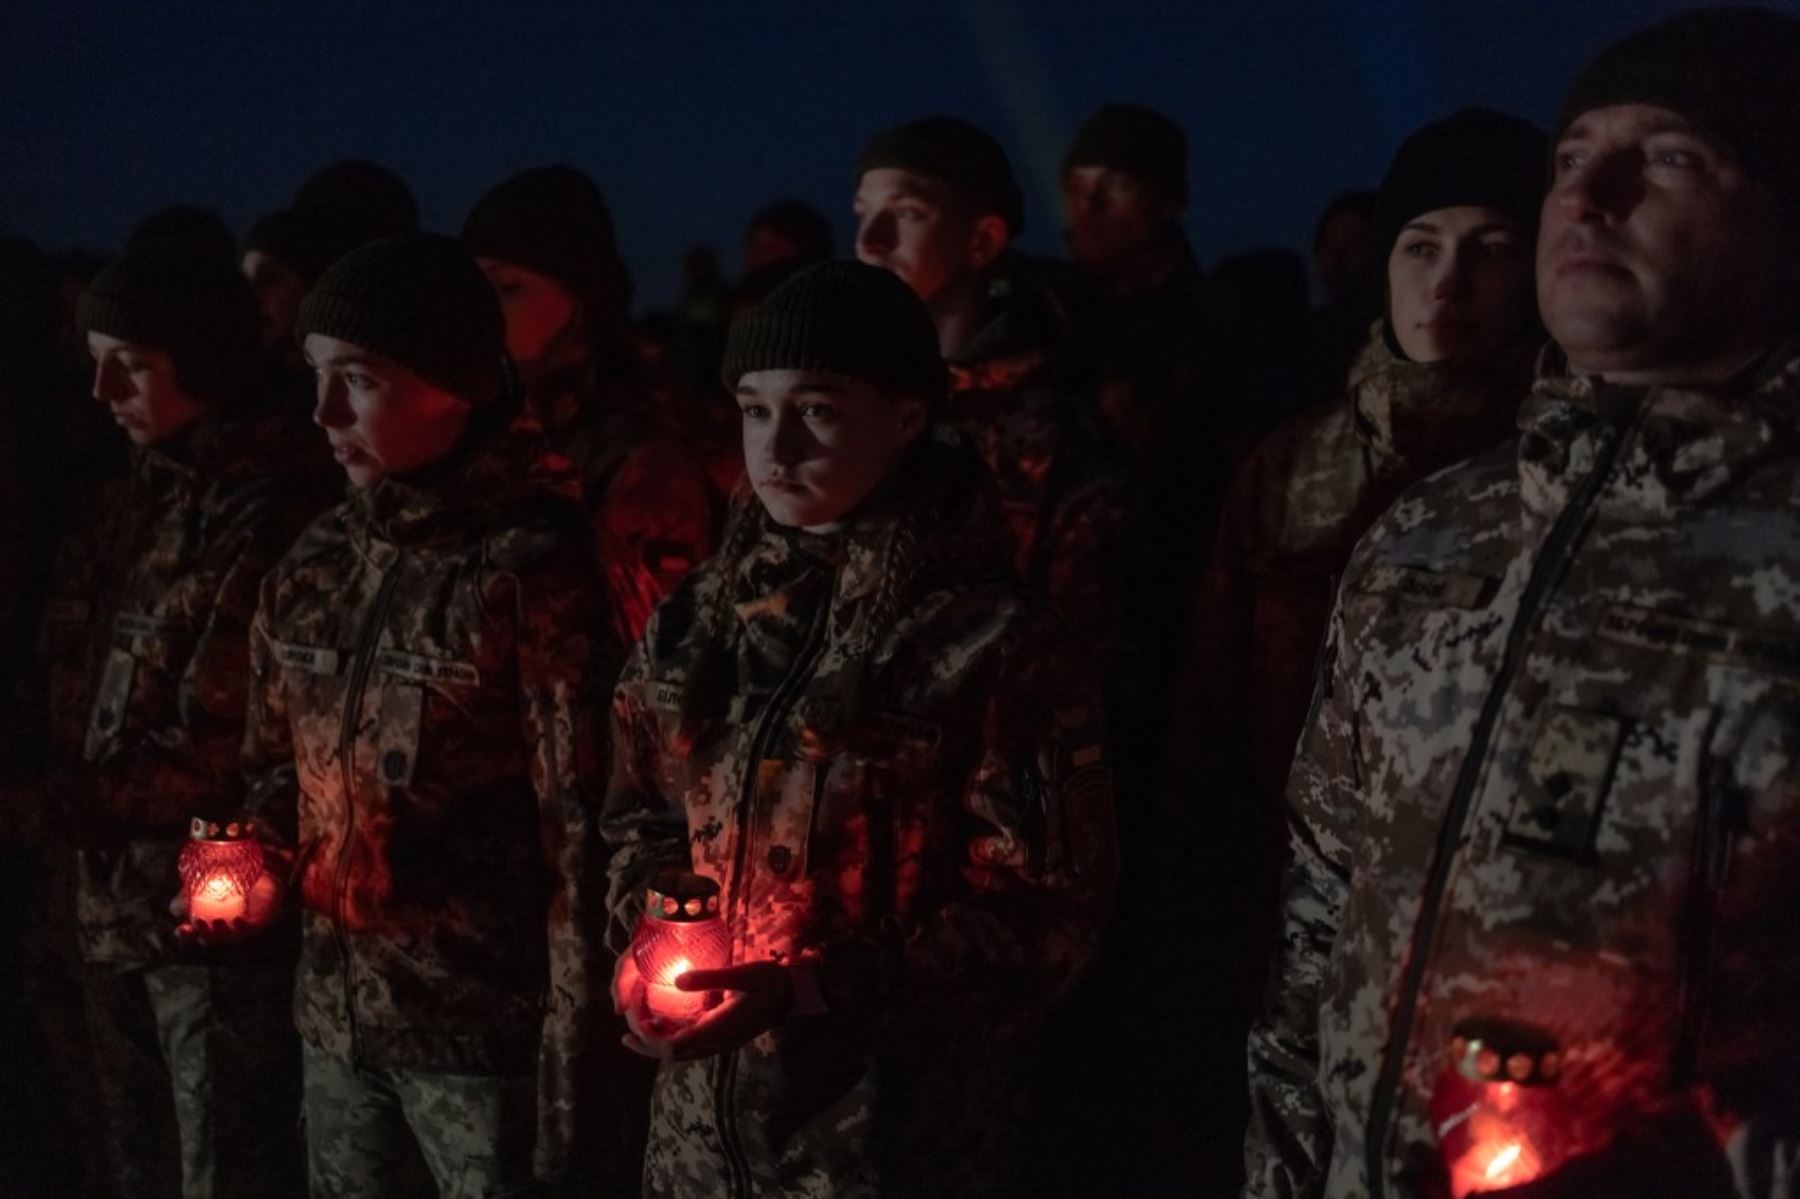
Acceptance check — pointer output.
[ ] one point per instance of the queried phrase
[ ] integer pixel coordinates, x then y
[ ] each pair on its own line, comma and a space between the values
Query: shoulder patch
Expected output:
1415, 583
1648, 628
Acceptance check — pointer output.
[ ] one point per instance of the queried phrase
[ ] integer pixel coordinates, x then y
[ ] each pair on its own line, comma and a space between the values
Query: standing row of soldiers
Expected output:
884, 692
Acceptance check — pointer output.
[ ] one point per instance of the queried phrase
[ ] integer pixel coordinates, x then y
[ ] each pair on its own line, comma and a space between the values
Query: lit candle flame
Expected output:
675, 970
218, 886
1503, 1161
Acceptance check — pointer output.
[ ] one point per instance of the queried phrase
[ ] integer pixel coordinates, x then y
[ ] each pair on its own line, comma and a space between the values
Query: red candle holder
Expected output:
1500, 1118
682, 929
219, 864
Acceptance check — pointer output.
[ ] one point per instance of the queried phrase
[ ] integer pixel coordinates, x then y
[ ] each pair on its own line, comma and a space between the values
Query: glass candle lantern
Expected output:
682, 929
219, 864
1500, 1118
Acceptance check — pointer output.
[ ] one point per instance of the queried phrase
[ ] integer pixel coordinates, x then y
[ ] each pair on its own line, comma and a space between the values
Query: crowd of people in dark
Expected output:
923, 718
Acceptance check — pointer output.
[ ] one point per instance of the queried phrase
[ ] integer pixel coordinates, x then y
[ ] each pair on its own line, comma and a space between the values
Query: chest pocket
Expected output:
402, 680
143, 645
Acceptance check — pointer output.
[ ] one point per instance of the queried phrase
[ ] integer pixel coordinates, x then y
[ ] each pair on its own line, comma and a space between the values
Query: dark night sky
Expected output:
693, 114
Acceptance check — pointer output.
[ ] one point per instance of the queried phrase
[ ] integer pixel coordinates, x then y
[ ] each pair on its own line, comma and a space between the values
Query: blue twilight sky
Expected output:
691, 115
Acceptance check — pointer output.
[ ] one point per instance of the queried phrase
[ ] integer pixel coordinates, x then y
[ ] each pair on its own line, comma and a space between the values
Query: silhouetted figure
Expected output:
371, 200
1347, 266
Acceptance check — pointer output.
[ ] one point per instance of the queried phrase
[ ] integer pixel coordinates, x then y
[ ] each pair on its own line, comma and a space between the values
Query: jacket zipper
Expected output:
1544, 576
359, 678
782, 699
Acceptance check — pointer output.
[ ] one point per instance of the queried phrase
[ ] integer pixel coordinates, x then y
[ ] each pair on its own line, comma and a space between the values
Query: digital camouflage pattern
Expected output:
144, 662
652, 505
894, 766
1294, 512
1551, 775
215, 1113
430, 664
374, 1133
1016, 396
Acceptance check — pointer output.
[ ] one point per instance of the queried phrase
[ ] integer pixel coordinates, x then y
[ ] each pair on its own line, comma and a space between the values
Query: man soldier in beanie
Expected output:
936, 204
1166, 391
1540, 917
428, 665
545, 240
144, 676
889, 757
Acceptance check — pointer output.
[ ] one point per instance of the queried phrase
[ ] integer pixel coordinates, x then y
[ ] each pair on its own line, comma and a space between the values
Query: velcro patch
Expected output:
1558, 810
309, 658
418, 668
1647, 628
1429, 586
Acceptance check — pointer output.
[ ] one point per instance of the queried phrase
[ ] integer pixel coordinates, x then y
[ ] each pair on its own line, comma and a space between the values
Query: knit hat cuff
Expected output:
344, 319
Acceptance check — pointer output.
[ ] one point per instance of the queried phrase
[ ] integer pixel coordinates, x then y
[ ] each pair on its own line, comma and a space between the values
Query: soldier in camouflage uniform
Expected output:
1549, 773
936, 203
545, 239
429, 666
882, 748
1459, 207
145, 676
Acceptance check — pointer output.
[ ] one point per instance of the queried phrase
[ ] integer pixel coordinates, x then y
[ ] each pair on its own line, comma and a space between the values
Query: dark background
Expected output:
691, 115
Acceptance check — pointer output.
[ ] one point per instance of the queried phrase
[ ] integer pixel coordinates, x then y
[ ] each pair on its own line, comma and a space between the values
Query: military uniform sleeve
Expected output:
167, 773
645, 830
565, 663
271, 785
655, 524
1088, 566
1038, 863
1288, 1146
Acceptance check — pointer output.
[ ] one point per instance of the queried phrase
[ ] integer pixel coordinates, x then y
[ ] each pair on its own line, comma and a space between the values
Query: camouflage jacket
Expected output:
429, 665
143, 662
893, 765
1550, 775
1016, 394
1294, 512
651, 502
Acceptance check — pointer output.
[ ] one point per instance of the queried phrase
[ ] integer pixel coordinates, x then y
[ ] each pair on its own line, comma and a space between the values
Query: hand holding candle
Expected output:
682, 929
225, 887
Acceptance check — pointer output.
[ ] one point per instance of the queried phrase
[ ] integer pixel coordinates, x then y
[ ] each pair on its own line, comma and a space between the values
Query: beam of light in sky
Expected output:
1012, 57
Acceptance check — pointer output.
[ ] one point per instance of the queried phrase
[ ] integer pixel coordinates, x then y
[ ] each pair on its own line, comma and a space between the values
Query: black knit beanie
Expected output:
1733, 72
303, 240
194, 306
421, 301
1475, 156
1130, 137
369, 201
552, 220
843, 318
957, 152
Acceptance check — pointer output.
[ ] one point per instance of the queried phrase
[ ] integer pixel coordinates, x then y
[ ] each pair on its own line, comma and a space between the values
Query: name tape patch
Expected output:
310, 658
418, 668
145, 624
1650, 629
1429, 586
